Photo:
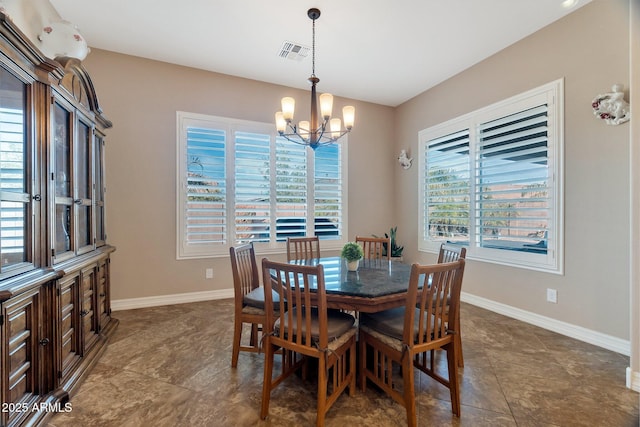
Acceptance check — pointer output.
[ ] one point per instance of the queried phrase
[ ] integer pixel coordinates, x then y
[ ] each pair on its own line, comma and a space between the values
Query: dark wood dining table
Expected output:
377, 284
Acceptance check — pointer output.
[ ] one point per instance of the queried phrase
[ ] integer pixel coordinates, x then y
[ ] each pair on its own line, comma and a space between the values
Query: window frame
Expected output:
185, 250
553, 95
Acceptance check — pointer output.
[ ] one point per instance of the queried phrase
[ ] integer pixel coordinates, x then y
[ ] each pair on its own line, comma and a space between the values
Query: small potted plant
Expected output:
352, 253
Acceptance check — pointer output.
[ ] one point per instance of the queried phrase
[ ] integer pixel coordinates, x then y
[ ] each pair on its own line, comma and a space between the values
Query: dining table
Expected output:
376, 285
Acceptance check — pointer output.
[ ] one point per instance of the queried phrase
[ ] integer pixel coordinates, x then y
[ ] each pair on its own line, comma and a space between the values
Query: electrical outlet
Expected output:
552, 295
208, 273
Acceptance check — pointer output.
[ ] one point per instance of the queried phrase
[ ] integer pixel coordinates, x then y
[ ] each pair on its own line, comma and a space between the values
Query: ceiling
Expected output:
371, 50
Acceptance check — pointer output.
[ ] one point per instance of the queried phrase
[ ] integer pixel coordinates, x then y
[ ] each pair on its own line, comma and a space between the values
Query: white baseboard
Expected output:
583, 334
592, 337
633, 380
133, 303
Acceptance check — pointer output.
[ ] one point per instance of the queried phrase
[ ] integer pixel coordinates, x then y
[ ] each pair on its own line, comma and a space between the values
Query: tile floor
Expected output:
170, 366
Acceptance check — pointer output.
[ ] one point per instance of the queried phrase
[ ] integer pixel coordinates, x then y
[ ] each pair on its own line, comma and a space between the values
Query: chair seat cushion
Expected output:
338, 323
389, 322
255, 298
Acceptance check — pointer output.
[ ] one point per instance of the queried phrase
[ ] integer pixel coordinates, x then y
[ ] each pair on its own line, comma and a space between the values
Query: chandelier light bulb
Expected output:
326, 105
348, 115
281, 123
288, 106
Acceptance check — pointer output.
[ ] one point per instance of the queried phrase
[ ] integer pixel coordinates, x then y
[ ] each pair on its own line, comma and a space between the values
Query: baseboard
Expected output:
583, 334
633, 380
592, 337
155, 301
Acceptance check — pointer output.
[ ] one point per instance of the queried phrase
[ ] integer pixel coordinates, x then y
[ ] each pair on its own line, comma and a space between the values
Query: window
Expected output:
239, 182
491, 180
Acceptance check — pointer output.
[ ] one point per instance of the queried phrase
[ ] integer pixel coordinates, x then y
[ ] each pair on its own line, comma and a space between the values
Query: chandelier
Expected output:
318, 130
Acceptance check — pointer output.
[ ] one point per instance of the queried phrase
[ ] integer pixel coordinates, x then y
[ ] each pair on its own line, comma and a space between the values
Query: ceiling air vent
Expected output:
295, 51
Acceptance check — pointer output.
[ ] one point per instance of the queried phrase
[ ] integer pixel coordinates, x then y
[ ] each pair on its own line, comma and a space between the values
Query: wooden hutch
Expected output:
55, 311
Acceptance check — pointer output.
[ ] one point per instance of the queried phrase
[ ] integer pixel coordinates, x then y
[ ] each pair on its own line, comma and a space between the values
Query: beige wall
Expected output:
590, 50
141, 97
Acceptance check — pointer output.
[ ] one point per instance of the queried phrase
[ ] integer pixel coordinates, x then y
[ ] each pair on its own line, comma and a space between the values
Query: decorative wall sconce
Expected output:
611, 107
404, 159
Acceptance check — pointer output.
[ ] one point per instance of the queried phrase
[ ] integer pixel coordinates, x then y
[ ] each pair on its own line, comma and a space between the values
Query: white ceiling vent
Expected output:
295, 51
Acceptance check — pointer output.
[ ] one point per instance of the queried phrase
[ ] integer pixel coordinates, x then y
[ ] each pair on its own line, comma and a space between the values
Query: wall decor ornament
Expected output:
611, 107
404, 159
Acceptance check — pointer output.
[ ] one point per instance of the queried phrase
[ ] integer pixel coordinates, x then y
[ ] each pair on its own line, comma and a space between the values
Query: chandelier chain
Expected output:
313, 49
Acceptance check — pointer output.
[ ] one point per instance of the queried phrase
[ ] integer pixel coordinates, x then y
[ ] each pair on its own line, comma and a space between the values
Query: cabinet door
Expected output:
99, 190
17, 166
84, 185
63, 220
69, 324
21, 355
88, 303
104, 309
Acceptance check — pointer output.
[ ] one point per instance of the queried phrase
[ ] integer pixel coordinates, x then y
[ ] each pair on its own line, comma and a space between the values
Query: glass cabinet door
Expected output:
99, 189
84, 185
63, 221
16, 245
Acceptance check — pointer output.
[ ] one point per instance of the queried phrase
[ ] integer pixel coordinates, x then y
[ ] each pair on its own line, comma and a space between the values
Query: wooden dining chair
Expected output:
406, 335
306, 329
303, 248
375, 247
248, 300
449, 253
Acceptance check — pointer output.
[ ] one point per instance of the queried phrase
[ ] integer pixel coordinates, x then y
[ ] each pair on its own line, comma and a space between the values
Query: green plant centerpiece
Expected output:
396, 250
352, 253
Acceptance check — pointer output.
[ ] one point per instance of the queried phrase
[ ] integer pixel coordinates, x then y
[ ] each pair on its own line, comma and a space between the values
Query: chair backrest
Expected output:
449, 253
245, 270
374, 247
433, 302
302, 294
303, 248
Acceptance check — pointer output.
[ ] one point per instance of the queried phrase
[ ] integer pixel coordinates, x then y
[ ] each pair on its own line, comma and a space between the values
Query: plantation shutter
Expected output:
512, 179
291, 189
13, 196
206, 203
328, 191
252, 187
446, 181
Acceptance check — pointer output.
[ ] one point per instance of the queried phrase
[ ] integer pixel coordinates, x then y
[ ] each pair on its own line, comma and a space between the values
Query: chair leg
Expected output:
253, 342
352, 365
362, 362
458, 338
409, 389
452, 367
237, 336
268, 378
322, 391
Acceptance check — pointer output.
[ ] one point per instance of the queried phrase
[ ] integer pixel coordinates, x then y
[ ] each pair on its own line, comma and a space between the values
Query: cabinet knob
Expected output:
77, 201
84, 313
102, 295
44, 341
37, 197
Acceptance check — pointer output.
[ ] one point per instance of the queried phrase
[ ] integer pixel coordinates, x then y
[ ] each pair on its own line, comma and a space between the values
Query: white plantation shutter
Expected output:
252, 187
513, 198
446, 183
13, 196
291, 189
206, 199
328, 193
